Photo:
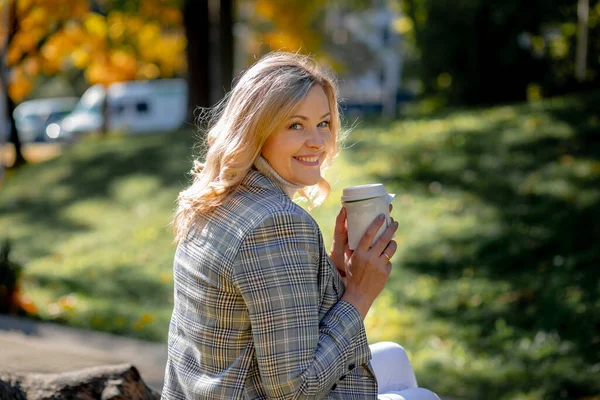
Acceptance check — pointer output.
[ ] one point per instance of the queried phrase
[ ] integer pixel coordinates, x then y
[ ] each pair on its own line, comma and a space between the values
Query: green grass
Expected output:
495, 291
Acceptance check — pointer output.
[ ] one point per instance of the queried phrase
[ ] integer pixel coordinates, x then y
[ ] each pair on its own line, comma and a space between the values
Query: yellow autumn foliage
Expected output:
32, 65
96, 25
285, 41
81, 58
289, 25
148, 71
54, 36
265, 8
35, 18
24, 5
161, 11
20, 84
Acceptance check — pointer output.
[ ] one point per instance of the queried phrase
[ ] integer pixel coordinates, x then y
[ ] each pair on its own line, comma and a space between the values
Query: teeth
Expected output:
308, 159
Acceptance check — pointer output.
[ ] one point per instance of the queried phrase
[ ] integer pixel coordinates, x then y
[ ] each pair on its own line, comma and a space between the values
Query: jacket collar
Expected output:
255, 179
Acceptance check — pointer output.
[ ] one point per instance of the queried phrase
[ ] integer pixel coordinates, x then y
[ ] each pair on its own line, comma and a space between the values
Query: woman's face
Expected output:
297, 150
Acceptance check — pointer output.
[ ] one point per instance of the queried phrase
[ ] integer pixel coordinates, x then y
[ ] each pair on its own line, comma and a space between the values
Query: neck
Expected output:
265, 168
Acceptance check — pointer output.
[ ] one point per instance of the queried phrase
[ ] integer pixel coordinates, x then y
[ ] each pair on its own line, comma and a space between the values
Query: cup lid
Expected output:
363, 192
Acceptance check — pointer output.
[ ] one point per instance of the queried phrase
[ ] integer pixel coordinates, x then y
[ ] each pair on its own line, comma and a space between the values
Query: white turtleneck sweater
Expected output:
267, 170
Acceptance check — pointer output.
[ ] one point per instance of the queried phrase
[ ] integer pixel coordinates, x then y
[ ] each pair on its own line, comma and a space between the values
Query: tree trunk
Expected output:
226, 17
13, 137
197, 31
104, 111
583, 9
105, 382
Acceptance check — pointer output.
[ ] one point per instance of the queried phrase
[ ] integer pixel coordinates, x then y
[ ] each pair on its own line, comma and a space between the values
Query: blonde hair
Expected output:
261, 101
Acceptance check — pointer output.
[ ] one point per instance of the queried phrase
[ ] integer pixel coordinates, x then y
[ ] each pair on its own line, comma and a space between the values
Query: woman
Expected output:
261, 310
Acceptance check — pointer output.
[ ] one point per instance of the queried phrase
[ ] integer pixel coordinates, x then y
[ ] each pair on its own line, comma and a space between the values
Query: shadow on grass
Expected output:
544, 188
121, 283
88, 172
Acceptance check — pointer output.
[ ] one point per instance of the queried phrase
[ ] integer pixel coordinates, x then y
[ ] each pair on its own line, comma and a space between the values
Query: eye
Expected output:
324, 124
295, 126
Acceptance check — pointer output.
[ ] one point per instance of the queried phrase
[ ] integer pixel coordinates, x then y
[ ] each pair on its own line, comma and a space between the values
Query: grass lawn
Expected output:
495, 291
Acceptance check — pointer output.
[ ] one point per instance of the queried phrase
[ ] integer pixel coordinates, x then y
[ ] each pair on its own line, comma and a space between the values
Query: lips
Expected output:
308, 160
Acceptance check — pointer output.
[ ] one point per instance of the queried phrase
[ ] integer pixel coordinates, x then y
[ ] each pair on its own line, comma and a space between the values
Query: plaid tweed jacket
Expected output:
257, 311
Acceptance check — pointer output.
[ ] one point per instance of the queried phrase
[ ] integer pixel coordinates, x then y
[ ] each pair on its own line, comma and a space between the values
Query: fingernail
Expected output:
395, 224
381, 217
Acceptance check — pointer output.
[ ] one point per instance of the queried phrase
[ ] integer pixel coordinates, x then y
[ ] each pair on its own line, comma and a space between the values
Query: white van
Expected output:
32, 117
132, 107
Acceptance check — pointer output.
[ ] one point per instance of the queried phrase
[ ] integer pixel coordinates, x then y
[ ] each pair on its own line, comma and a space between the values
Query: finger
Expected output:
388, 268
340, 225
385, 238
347, 251
340, 221
367, 239
391, 207
389, 251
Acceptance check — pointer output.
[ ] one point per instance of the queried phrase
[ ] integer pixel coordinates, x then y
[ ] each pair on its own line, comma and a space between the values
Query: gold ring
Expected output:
386, 256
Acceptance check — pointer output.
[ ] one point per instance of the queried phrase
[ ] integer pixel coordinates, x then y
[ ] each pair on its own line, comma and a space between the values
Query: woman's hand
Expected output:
340, 241
339, 251
369, 267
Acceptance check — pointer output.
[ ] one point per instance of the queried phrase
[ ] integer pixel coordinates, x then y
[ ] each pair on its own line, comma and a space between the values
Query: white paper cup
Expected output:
363, 204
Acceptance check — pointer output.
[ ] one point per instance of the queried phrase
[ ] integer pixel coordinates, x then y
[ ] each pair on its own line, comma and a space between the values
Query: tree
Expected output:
131, 40
288, 26
209, 33
468, 49
120, 40
226, 18
583, 11
301, 26
26, 49
9, 12
139, 40
197, 31
486, 51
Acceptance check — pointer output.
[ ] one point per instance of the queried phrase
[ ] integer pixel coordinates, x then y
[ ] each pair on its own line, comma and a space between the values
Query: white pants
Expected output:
395, 376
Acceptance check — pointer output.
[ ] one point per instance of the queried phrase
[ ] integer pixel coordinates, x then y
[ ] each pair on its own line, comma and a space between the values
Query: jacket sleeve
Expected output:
276, 272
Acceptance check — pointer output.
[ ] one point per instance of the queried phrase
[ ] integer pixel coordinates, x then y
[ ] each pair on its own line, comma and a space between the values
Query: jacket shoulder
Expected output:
255, 206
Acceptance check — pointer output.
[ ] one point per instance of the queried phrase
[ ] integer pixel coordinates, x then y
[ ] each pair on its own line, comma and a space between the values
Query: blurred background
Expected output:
483, 116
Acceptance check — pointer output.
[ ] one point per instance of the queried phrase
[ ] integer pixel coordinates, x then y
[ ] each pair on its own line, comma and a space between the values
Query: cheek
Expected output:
266, 150
279, 150
272, 146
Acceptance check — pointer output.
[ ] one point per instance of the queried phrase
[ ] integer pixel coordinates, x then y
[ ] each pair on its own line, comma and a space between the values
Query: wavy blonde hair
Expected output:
261, 101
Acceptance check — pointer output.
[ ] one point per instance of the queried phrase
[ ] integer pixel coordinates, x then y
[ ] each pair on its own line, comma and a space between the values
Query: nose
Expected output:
315, 139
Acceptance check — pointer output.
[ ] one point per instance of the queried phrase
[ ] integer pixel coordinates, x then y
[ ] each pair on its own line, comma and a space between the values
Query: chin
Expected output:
308, 178
309, 181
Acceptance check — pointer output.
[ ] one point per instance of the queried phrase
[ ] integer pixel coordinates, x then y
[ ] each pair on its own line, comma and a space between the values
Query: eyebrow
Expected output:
306, 119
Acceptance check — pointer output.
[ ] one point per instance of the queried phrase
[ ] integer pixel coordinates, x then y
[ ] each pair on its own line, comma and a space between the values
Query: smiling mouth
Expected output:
309, 161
